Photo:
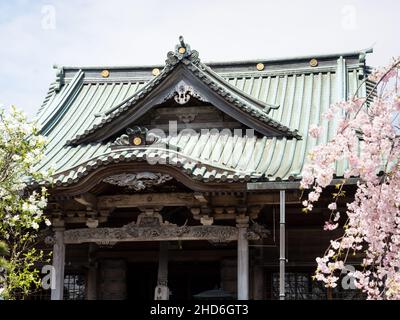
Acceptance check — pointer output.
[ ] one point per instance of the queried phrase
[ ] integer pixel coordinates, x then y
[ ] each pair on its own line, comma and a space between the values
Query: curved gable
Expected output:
185, 69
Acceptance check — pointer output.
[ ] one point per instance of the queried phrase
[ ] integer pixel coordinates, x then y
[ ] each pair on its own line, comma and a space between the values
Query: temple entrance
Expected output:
185, 279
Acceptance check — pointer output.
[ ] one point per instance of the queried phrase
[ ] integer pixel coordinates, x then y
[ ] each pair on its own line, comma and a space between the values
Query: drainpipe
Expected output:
282, 233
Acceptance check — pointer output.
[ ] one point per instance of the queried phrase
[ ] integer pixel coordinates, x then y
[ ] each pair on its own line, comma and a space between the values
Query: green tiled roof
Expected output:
80, 98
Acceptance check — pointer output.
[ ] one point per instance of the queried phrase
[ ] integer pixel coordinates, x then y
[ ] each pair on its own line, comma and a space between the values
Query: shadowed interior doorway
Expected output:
185, 279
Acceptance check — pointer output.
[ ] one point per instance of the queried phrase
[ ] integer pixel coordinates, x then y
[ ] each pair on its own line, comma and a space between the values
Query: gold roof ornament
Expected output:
182, 49
137, 141
313, 62
260, 66
155, 72
105, 73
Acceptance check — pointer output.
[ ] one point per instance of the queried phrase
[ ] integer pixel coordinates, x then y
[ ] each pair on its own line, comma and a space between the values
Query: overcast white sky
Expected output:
37, 34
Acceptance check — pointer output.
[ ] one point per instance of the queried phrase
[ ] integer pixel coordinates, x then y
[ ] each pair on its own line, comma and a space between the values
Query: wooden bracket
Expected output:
88, 200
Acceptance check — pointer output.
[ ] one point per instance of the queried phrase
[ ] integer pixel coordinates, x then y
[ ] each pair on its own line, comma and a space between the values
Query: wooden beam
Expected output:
81, 216
253, 199
143, 200
200, 197
187, 199
87, 199
133, 233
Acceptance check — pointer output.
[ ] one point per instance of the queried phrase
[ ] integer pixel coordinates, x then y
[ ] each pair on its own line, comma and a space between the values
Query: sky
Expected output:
36, 34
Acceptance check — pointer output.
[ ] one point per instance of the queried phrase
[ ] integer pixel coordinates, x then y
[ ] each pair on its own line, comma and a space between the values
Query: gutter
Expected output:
287, 185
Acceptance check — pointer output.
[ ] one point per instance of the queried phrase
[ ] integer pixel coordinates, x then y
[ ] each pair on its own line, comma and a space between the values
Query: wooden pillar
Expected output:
92, 274
58, 264
243, 259
162, 291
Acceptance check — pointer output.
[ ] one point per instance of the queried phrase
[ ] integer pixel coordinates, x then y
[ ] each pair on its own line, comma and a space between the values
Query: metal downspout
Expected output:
282, 233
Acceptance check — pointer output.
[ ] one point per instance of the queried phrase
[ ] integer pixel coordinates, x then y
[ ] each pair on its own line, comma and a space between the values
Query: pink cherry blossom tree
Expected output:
367, 137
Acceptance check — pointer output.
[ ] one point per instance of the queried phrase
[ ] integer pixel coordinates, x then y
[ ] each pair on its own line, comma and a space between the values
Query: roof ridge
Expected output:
241, 92
49, 93
222, 63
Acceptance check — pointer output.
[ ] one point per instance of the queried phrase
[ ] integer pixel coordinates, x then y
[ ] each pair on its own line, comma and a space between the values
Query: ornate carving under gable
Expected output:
182, 93
138, 181
187, 117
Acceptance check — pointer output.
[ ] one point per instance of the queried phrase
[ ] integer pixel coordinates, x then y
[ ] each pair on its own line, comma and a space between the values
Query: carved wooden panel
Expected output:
138, 181
164, 232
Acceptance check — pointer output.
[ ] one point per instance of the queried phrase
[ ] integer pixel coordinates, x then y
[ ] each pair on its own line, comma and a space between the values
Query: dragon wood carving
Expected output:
138, 181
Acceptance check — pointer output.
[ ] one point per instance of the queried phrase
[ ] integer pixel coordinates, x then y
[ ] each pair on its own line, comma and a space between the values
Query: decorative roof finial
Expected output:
182, 49
182, 41
182, 53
